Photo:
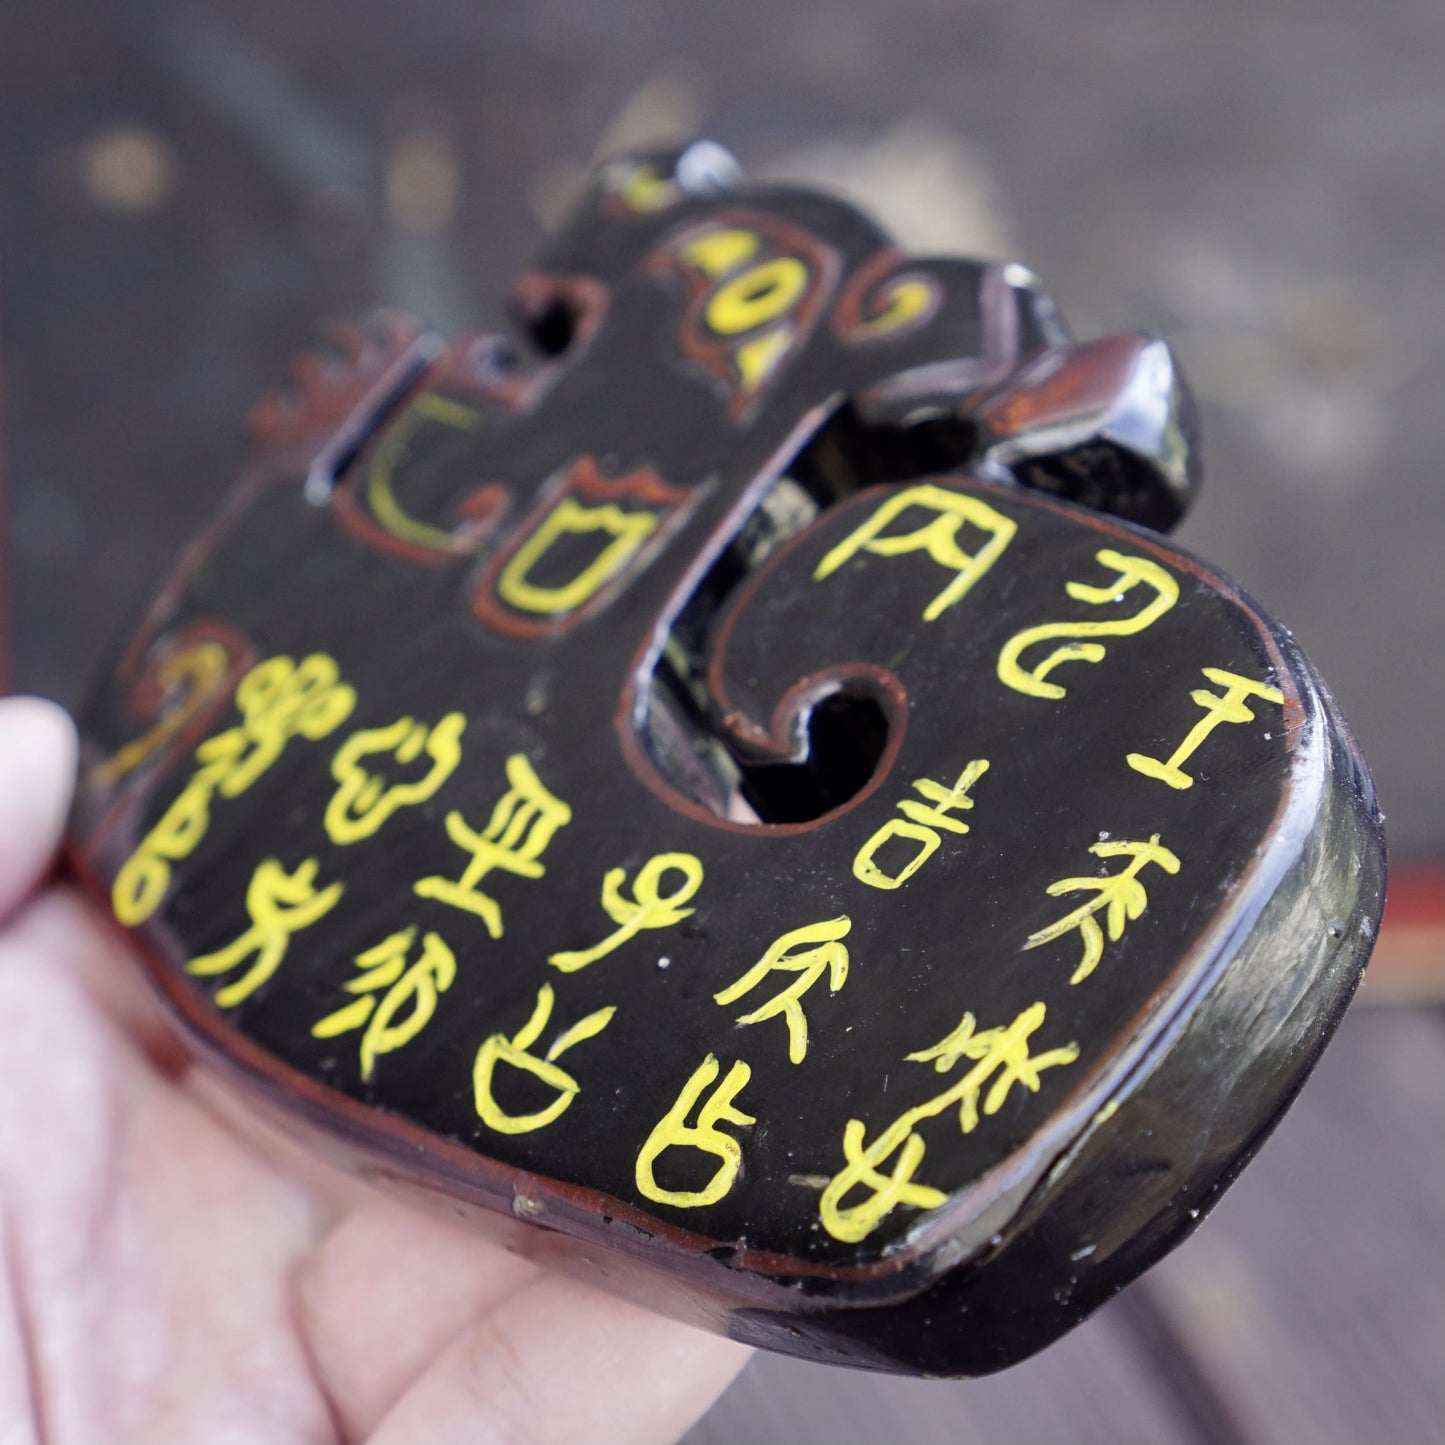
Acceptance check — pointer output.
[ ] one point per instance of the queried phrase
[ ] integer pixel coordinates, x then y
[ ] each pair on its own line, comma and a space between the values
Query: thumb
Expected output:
37, 779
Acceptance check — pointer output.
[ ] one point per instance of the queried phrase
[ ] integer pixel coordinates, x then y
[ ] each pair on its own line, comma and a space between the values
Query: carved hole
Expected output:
552, 327
847, 733
844, 732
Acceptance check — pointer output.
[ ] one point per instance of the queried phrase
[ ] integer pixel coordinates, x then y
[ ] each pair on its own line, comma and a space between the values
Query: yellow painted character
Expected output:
648, 907
1229, 708
1130, 572
790, 954
280, 904
381, 495
920, 825
521, 826
674, 1132
363, 802
628, 531
279, 699
938, 539
1002, 1061
197, 673
140, 884
516, 1053
1121, 896
885, 1192
409, 1001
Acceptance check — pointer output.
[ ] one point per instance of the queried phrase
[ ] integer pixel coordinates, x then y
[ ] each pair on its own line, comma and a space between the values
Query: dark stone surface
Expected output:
1257, 182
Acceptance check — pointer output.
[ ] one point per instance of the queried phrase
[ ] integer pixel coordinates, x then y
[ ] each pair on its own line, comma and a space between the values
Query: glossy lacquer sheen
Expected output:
730, 790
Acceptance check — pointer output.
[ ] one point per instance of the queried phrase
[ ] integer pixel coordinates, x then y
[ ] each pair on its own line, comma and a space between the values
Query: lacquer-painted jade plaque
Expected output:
731, 789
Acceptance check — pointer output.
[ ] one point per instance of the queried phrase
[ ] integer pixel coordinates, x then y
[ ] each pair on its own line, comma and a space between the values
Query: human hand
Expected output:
171, 1269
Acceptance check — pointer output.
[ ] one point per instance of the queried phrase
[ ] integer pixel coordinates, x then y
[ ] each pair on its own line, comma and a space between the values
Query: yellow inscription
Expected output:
673, 1131
410, 998
280, 904
919, 825
885, 1191
790, 954
759, 295
516, 836
199, 669
380, 492
278, 699
648, 907
1130, 572
1120, 896
1230, 708
1001, 1061
363, 802
718, 252
645, 188
515, 1052
570, 518
939, 538
757, 360
140, 885
908, 297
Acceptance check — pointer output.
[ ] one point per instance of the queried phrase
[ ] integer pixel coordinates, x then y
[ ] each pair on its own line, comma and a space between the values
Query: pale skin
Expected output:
173, 1270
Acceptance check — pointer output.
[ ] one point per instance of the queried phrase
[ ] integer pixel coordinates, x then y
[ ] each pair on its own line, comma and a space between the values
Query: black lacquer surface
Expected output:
575, 775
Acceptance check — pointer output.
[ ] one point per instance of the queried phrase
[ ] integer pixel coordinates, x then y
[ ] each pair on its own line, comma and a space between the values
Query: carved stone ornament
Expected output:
731, 789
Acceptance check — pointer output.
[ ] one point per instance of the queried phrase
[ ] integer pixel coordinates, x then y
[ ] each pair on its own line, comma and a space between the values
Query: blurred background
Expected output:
186, 190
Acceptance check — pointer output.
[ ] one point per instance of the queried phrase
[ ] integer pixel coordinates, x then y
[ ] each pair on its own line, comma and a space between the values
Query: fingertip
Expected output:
39, 750
559, 1362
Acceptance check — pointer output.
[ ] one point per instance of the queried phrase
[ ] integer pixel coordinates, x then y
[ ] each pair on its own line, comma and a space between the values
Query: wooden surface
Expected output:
185, 190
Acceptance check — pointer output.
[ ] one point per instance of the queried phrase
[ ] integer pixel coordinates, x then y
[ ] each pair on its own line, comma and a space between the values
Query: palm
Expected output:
178, 1271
